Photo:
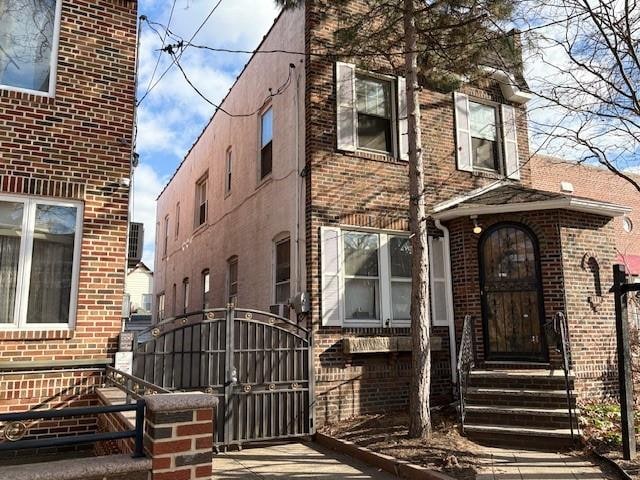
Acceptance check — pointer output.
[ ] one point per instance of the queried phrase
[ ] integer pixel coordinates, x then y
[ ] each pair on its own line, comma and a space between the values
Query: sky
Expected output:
171, 116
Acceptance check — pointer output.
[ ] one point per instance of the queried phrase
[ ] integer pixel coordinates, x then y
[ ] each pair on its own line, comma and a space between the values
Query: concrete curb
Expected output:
400, 468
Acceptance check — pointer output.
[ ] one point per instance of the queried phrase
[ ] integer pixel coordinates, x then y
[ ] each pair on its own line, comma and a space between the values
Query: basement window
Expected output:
29, 33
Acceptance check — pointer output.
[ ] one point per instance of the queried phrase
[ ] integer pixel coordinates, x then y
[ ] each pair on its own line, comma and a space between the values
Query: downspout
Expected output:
299, 181
449, 304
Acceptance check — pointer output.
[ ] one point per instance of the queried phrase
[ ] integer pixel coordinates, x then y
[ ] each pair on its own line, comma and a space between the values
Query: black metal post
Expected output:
139, 438
624, 363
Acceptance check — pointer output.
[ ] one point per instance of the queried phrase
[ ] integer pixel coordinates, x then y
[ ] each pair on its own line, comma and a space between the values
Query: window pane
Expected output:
283, 292
11, 214
401, 300
361, 299
400, 248
26, 40
361, 254
374, 133
267, 127
437, 267
484, 153
283, 263
205, 282
266, 160
439, 301
372, 96
52, 264
483, 121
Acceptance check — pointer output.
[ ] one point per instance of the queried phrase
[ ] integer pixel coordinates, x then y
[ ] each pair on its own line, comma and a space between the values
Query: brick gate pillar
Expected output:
178, 437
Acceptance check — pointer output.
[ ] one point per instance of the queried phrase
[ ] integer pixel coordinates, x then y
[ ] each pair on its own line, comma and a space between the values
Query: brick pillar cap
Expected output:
178, 402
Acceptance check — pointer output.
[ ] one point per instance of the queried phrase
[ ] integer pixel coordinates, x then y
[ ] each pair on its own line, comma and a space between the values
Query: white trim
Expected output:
53, 61
24, 265
433, 279
277, 240
568, 203
449, 293
384, 272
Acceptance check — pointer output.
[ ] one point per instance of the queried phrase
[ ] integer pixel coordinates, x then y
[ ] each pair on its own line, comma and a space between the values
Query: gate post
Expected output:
624, 363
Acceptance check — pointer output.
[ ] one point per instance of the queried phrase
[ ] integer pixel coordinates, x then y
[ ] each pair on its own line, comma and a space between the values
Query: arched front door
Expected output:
511, 294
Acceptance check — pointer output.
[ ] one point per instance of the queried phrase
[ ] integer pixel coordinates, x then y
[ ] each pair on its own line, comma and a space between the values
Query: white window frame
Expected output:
24, 264
149, 297
274, 265
53, 61
202, 181
499, 138
393, 94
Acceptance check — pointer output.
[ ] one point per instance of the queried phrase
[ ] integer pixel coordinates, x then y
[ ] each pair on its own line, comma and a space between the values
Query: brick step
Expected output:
523, 379
535, 438
517, 397
519, 416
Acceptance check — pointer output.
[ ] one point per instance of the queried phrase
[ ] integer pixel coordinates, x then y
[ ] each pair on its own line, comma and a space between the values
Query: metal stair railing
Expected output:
466, 361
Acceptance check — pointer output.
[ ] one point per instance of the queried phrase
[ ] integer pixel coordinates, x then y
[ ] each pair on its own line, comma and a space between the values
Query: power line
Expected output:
215, 7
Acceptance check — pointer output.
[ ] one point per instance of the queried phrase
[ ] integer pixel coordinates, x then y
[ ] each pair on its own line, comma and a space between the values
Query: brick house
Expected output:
310, 194
67, 75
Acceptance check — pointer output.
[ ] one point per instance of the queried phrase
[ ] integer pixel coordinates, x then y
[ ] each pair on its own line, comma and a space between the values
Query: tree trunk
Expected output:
419, 412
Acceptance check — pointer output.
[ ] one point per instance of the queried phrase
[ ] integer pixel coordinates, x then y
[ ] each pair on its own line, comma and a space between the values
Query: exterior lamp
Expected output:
477, 229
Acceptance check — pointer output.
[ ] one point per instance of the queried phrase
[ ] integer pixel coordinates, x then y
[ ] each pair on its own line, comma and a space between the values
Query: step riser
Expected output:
524, 441
533, 421
489, 400
525, 384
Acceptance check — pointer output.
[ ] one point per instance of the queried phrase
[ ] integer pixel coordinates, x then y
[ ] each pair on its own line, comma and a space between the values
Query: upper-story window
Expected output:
283, 271
485, 146
375, 119
206, 287
177, 219
29, 32
185, 295
201, 201
165, 243
486, 136
39, 262
371, 112
160, 309
232, 280
266, 143
228, 170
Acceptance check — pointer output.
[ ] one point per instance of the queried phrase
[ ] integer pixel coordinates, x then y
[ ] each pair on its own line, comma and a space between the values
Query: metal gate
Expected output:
256, 363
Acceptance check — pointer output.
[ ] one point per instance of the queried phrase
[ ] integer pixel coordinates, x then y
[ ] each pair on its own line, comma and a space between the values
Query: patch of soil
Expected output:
448, 451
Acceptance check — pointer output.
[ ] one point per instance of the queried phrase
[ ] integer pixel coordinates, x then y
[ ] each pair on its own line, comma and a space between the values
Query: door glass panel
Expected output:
52, 264
511, 294
11, 214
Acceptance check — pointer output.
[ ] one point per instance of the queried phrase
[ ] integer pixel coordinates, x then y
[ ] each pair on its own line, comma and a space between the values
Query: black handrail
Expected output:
558, 330
137, 433
134, 387
466, 361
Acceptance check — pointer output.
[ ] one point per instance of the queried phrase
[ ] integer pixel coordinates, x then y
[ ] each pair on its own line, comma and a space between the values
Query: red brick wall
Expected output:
78, 145
364, 189
597, 183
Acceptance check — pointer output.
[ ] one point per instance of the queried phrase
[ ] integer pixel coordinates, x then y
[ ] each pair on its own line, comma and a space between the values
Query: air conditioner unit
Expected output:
280, 309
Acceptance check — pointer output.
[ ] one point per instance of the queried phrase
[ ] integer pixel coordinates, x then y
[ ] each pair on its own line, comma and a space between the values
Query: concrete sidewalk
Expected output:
292, 461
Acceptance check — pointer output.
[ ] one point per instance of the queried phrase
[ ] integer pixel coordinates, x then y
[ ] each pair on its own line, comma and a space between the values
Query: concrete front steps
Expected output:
525, 408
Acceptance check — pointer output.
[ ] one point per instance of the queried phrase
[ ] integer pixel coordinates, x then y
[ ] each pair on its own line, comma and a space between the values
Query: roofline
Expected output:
554, 160
468, 196
221, 104
568, 203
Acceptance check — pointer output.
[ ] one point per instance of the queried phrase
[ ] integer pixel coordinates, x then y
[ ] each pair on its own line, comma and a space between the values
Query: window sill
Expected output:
378, 157
29, 96
60, 334
199, 228
264, 180
488, 174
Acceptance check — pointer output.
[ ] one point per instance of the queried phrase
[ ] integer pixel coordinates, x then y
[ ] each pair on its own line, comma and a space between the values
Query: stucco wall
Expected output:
246, 221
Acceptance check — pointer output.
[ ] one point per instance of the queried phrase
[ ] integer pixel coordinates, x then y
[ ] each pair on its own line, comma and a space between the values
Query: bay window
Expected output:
39, 262
366, 279
29, 33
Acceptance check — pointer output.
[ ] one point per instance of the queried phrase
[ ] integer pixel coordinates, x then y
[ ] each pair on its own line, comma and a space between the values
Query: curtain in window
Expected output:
52, 264
26, 41
11, 214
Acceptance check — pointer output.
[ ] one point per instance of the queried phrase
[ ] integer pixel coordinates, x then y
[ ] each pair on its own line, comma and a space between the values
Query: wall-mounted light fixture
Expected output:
477, 229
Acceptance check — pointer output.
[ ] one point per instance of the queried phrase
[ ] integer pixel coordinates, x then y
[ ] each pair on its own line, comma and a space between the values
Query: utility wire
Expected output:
204, 22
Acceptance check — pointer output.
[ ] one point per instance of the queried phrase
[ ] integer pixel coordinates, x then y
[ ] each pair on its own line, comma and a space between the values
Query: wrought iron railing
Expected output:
15, 428
134, 387
557, 331
466, 361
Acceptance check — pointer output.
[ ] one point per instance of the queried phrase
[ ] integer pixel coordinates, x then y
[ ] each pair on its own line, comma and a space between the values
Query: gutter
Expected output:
449, 303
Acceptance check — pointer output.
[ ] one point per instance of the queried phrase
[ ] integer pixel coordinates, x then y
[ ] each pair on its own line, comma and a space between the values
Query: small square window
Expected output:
266, 143
373, 105
484, 120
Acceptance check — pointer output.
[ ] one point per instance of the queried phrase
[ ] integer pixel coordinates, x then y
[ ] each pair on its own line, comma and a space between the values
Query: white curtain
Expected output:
9, 258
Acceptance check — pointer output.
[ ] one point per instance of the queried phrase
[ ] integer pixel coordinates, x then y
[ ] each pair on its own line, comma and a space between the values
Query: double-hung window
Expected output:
201, 201
29, 32
232, 280
177, 219
228, 170
147, 301
374, 119
366, 279
283, 271
485, 144
266, 143
39, 262
161, 300
165, 243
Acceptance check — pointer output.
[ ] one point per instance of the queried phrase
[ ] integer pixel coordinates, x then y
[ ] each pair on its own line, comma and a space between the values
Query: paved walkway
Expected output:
525, 465
292, 461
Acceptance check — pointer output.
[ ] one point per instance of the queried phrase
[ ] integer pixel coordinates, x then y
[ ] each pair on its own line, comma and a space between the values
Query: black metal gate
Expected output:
256, 363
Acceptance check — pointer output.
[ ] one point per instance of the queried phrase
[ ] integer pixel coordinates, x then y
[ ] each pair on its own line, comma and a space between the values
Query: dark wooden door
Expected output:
511, 294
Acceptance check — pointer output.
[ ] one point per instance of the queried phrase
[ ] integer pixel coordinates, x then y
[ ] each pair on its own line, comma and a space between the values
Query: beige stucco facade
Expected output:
245, 221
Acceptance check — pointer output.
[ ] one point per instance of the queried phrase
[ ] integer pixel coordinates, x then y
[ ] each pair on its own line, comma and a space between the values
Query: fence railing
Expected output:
466, 360
15, 427
557, 330
134, 387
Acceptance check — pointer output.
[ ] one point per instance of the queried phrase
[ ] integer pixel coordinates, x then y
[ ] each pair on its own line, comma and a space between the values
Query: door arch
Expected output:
511, 291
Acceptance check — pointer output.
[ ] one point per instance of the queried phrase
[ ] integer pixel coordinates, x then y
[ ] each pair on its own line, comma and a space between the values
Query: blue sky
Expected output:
172, 115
